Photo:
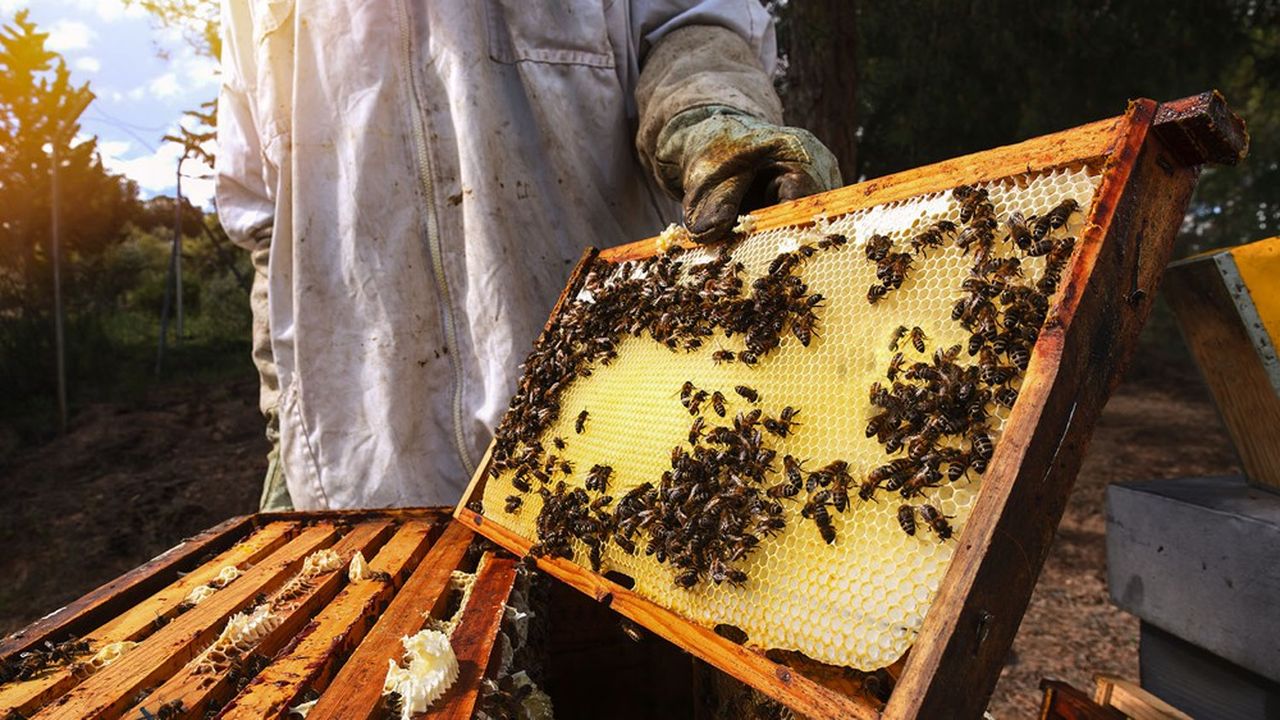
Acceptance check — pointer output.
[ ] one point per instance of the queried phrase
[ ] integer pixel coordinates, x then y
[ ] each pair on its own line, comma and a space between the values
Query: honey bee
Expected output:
932, 237
558, 442
784, 424
897, 336
476, 507
722, 356
696, 401
566, 467
794, 469
625, 543
717, 403
686, 391
947, 356
867, 489
893, 270
802, 327
1056, 218
687, 578
936, 521
1019, 356
747, 357
520, 483
876, 293
917, 338
513, 503
926, 477
958, 467
975, 344
598, 477
721, 572
695, 431
878, 246
832, 241
580, 424
840, 492
1006, 396
895, 367
1019, 231
982, 446
748, 394
1039, 247
171, 710
907, 519
816, 510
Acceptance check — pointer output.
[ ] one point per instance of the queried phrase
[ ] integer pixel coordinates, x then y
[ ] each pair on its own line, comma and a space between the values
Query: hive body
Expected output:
858, 602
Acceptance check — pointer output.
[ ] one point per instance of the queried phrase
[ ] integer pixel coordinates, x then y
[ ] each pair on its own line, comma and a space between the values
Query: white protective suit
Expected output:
420, 176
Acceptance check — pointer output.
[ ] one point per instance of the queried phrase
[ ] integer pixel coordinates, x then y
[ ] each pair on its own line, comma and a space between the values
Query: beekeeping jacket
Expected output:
417, 179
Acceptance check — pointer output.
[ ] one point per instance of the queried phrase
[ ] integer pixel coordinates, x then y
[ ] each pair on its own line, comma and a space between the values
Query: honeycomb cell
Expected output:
861, 601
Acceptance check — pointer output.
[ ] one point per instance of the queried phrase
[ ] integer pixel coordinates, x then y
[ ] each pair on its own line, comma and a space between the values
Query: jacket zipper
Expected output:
433, 234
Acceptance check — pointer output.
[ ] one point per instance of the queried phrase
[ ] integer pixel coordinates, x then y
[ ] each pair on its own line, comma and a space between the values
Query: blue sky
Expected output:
140, 94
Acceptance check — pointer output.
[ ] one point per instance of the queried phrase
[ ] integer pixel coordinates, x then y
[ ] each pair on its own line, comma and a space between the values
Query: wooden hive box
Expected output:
931, 645
1227, 303
332, 639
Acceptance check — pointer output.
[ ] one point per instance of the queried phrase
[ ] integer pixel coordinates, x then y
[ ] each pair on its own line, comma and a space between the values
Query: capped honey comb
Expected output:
861, 601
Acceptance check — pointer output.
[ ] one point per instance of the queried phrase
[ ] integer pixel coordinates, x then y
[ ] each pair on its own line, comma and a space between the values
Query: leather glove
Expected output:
723, 163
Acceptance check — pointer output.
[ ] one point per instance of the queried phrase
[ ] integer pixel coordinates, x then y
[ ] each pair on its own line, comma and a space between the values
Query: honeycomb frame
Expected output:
1056, 407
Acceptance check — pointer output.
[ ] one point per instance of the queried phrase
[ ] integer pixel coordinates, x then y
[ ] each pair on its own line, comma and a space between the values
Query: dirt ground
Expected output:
125, 484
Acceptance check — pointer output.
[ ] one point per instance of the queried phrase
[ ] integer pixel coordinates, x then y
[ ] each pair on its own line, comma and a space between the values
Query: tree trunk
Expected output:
820, 43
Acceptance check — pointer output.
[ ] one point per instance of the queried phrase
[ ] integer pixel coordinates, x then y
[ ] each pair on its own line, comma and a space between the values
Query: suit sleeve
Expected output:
245, 206
701, 54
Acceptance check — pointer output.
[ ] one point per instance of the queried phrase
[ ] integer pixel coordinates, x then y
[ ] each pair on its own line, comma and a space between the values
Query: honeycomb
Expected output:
861, 601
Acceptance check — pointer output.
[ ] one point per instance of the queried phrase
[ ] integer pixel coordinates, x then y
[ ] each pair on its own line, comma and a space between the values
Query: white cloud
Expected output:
114, 148
88, 64
10, 7
198, 75
154, 172
67, 35
164, 86
108, 10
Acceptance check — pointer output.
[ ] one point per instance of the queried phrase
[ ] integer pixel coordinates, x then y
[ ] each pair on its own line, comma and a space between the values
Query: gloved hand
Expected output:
723, 163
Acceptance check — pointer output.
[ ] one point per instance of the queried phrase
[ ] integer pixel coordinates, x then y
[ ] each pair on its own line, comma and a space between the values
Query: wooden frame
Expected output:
334, 638
1149, 158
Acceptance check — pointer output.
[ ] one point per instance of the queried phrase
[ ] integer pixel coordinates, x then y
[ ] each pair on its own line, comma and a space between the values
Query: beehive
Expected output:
288, 626
877, 592
858, 602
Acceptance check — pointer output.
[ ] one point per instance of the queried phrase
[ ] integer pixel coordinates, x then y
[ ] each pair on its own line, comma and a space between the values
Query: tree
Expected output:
39, 105
819, 40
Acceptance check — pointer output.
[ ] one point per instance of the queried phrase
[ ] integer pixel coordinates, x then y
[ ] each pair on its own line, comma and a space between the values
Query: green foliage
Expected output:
940, 78
115, 256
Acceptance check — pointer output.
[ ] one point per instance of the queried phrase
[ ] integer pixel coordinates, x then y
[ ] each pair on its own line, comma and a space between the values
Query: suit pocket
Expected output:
549, 31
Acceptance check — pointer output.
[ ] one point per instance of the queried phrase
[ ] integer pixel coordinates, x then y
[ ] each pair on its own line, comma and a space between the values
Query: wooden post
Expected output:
55, 243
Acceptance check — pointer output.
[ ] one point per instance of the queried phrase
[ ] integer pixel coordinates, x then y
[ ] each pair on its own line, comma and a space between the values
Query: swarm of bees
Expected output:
936, 409
712, 508
32, 662
725, 491
680, 305
677, 304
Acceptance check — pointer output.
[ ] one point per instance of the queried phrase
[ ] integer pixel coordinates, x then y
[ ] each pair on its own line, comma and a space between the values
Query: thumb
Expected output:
711, 210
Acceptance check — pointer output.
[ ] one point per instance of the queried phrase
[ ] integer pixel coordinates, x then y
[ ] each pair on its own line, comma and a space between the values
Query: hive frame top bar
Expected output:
1149, 159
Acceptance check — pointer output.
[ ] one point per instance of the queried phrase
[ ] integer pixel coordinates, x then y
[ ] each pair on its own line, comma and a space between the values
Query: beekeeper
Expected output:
416, 179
